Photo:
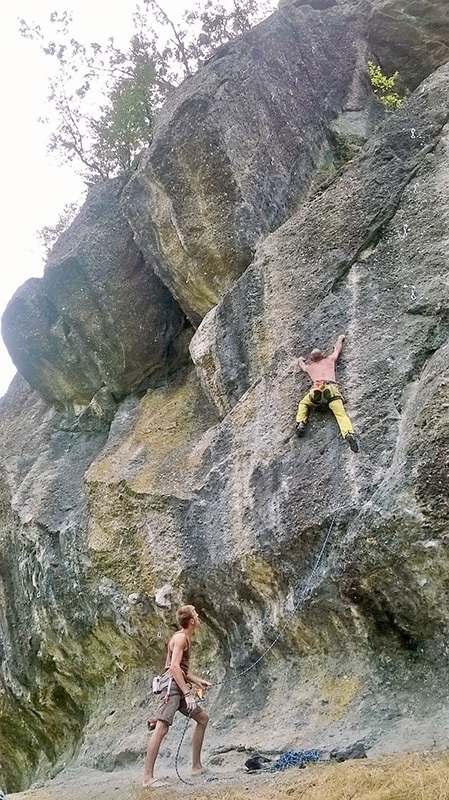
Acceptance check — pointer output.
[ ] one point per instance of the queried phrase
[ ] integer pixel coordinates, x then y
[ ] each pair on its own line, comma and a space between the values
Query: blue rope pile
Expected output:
292, 758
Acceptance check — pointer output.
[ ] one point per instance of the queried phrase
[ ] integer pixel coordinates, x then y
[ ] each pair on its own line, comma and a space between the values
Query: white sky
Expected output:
34, 187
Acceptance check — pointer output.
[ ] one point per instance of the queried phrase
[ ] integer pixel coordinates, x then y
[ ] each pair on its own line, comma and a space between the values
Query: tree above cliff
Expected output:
103, 99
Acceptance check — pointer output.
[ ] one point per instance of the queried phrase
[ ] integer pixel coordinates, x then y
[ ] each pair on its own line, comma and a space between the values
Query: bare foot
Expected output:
155, 783
199, 771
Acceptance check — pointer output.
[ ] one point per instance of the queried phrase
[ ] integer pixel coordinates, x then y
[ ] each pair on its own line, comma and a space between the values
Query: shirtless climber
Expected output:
177, 695
325, 391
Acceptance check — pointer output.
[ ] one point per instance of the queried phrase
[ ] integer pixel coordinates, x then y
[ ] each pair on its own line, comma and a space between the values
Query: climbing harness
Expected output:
304, 593
321, 395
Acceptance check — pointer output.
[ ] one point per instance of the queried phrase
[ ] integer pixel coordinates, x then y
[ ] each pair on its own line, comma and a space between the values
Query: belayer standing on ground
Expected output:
325, 391
177, 695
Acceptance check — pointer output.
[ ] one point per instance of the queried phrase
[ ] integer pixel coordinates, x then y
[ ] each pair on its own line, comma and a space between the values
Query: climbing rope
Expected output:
306, 588
300, 600
292, 758
189, 783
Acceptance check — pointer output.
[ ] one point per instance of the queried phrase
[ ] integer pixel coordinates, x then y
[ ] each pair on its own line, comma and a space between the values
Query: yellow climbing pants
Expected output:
323, 396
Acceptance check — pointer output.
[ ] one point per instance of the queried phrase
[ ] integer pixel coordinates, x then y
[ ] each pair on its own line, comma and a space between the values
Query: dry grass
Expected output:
416, 776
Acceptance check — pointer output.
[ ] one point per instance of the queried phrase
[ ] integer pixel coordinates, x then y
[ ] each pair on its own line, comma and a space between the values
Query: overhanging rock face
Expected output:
369, 258
199, 483
275, 303
99, 319
237, 146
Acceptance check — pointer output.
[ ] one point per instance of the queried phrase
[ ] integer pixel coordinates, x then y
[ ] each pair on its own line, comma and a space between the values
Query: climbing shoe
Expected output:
300, 428
351, 440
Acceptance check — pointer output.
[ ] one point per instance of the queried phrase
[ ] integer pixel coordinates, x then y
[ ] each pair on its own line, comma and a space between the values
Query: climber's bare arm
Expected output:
338, 348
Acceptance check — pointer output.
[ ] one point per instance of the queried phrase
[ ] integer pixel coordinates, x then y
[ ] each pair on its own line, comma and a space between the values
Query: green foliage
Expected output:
125, 123
103, 101
383, 87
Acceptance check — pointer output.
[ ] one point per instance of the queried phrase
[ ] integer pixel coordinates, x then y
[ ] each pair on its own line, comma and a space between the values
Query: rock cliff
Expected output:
99, 320
148, 454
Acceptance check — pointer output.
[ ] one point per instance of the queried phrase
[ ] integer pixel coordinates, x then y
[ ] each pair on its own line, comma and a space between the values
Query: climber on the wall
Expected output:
325, 391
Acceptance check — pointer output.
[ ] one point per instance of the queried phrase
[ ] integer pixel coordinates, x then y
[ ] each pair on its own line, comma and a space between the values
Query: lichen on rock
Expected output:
134, 477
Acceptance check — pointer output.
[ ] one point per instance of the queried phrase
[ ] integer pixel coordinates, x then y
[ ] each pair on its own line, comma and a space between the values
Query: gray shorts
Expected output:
167, 708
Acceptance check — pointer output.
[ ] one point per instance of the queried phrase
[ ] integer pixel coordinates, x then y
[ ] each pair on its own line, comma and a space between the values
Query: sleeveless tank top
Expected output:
185, 656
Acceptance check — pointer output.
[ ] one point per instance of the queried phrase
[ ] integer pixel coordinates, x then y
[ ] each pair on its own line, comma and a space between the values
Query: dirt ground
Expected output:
412, 776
